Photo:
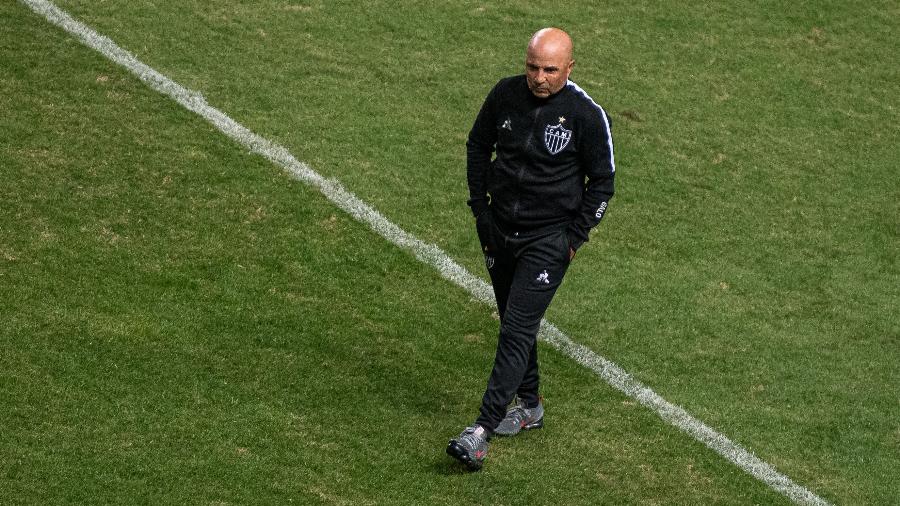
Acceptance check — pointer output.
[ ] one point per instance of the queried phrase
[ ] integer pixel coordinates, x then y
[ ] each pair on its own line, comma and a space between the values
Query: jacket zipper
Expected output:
521, 172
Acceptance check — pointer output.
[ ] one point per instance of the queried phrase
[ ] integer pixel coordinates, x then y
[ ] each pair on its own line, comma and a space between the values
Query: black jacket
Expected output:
554, 163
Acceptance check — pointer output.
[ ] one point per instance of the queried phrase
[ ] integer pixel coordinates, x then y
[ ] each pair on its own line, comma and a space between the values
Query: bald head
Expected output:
551, 41
548, 61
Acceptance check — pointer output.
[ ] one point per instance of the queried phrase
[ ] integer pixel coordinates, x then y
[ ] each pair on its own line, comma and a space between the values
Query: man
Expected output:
534, 205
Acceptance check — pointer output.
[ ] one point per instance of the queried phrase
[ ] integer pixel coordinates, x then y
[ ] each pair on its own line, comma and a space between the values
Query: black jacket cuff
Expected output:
478, 207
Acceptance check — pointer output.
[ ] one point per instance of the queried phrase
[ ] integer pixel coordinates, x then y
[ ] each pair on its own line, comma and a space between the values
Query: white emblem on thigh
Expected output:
543, 277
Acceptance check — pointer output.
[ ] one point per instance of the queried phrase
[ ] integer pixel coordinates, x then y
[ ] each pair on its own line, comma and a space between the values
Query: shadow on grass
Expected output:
445, 465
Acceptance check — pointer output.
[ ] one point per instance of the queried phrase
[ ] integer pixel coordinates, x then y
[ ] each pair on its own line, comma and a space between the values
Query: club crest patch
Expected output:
556, 138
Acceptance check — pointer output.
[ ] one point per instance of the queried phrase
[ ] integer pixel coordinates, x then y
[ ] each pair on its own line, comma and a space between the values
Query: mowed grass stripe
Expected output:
427, 253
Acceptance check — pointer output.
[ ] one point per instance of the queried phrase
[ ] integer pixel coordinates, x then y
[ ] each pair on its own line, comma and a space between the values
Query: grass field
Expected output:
185, 323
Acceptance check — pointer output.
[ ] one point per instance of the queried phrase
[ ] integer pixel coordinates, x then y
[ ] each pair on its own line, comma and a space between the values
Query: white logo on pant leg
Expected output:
600, 210
489, 261
543, 278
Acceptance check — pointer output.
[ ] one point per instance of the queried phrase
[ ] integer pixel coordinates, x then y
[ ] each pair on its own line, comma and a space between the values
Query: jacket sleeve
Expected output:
598, 164
479, 149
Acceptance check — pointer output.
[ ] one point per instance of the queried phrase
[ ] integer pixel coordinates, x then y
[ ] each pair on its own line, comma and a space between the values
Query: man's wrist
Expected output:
575, 241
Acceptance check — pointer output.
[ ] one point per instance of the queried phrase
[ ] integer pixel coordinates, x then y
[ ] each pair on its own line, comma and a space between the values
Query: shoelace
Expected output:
519, 413
469, 439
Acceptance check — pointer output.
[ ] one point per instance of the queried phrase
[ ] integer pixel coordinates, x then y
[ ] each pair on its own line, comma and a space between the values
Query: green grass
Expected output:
183, 323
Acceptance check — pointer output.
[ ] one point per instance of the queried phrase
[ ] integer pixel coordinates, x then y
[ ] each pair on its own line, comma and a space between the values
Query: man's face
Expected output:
547, 69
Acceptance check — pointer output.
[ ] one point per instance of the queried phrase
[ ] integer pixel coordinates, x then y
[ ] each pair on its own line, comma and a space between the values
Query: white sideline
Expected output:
427, 253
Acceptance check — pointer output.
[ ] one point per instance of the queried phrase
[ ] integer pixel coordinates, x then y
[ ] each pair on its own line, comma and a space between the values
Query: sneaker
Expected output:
470, 447
520, 418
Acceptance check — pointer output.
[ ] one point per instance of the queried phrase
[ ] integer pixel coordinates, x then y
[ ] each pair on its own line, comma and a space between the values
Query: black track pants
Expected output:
525, 269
